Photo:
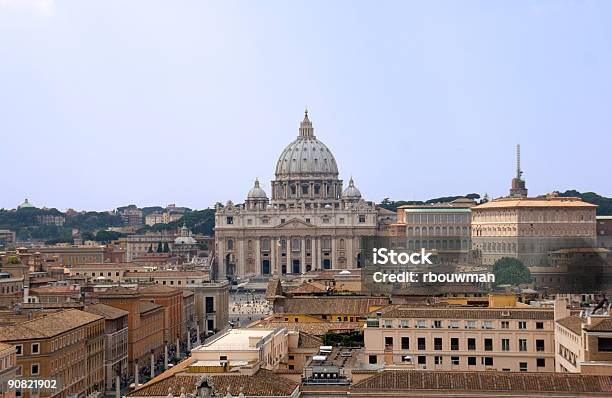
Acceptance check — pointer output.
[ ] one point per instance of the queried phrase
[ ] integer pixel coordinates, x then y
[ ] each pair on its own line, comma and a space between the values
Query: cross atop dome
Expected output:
306, 129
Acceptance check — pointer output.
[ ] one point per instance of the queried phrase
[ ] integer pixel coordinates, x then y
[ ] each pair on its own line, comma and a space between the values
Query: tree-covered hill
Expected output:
199, 221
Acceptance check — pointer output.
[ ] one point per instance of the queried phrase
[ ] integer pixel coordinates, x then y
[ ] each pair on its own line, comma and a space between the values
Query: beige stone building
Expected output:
461, 339
309, 223
67, 346
8, 369
529, 229
443, 227
583, 342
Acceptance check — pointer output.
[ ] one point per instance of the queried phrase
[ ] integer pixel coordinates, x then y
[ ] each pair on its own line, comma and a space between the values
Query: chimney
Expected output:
561, 310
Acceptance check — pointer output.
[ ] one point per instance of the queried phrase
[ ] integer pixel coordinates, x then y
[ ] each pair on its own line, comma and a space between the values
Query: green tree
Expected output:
14, 260
510, 271
166, 248
160, 248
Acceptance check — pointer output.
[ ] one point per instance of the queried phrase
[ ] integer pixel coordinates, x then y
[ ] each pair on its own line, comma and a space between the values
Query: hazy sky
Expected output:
108, 103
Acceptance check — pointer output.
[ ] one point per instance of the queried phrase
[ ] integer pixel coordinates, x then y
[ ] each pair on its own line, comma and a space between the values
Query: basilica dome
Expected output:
351, 192
257, 192
306, 155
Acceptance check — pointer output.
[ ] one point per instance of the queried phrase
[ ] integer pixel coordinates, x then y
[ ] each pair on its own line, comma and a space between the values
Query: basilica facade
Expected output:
310, 221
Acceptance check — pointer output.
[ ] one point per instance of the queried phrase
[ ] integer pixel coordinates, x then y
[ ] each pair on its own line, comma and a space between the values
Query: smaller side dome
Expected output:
351, 192
257, 192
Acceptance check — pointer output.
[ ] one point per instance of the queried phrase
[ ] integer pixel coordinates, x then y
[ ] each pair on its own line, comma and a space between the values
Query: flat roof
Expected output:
236, 340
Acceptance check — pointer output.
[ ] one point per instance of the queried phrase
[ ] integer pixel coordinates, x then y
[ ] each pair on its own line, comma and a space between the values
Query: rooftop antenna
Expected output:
519, 172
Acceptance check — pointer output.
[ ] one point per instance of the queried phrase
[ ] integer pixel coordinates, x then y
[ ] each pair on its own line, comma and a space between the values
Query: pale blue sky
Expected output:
107, 103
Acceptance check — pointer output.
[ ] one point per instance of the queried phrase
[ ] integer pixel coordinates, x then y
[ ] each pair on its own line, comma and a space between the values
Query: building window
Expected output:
505, 324
487, 325
34, 369
604, 344
522, 344
437, 324
438, 360
420, 324
438, 343
454, 343
522, 325
229, 220
230, 244
388, 342
488, 344
472, 361
471, 344
422, 360
541, 362
488, 361
421, 343
454, 325
539, 325
505, 344
341, 221
362, 218
372, 359
523, 366
405, 343
471, 325
35, 348
403, 323
455, 360
19, 349
539, 345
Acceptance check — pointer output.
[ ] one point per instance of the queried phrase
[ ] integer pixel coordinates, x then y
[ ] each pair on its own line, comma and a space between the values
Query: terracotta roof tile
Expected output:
572, 323
106, 311
429, 312
328, 305
49, 325
485, 381
264, 383
535, 202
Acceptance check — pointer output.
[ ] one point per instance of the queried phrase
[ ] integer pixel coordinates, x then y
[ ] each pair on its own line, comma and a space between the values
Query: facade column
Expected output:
152, 364
333, 254
221, 259
303, 255
165, 355
314, 252
273, 254
288, 267
258, 256
117, 386
136, 373
241, 257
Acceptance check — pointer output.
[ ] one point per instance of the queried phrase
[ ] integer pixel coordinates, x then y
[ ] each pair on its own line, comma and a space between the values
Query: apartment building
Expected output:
461, 338
145, 323
583, 342
243, 346
67, 346
8, 368
171, 299
115, 342
69, 256
168, 277
7, 239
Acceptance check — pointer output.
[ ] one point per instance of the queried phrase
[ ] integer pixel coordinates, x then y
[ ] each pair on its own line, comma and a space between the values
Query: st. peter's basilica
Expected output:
310, 222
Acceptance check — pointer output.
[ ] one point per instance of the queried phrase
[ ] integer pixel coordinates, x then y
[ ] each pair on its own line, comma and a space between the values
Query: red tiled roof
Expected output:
572, 323
106, 311
430, 312
264, 383
518, 382
328, 305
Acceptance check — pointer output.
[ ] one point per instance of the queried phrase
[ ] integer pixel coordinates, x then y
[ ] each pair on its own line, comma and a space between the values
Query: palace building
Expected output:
310, 222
